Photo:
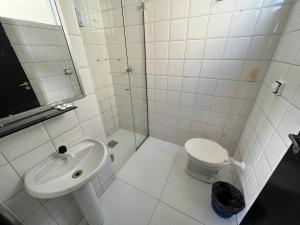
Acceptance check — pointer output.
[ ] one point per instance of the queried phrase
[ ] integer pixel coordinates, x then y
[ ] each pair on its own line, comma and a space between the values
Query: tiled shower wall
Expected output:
23, 149
94, 40
265, 138
124, 32
122, 99
206, 61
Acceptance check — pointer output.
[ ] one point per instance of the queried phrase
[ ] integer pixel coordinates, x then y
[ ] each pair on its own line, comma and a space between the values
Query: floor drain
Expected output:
77, 174
112, 143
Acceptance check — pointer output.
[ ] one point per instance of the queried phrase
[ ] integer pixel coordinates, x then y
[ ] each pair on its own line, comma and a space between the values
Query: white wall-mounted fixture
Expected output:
80, 18
62, 175
277, 87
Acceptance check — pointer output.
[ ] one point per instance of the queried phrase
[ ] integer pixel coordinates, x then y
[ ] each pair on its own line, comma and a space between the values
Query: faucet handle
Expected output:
62, 149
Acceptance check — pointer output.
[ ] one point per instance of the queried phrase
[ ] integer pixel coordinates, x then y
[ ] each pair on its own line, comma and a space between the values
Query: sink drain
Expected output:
77, 173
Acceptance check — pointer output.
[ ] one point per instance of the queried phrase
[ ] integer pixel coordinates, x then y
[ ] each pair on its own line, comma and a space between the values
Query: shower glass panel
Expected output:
136, 58
113, 37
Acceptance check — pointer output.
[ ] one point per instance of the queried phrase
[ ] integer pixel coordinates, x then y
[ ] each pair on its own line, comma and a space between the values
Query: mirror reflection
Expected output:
35, 65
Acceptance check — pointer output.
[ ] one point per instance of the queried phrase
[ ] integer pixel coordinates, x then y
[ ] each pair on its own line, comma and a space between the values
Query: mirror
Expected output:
36, 67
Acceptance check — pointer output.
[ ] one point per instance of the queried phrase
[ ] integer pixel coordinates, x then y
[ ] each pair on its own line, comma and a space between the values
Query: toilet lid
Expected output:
206, 151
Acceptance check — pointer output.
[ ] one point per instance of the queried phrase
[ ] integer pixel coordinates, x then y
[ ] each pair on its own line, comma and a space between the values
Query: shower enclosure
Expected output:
113, 37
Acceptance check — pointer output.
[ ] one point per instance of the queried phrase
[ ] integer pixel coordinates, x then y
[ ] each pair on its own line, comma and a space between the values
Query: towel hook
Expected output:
296, 142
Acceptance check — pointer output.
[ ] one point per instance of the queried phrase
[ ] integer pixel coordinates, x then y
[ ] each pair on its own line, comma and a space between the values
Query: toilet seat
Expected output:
206, 151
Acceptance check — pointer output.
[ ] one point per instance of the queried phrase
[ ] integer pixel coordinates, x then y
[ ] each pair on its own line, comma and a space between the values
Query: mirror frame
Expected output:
55, 5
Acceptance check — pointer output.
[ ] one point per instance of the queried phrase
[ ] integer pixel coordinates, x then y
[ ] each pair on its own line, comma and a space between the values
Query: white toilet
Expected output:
206, 159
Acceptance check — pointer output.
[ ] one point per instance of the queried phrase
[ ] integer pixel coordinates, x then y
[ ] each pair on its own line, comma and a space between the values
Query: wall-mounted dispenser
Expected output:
80, 18
277, 87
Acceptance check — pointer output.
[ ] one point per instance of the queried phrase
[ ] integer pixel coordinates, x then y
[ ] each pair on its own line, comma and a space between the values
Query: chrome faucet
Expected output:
62, 153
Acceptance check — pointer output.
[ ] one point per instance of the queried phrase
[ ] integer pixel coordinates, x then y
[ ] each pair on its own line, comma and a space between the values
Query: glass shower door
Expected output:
113, 37
135, 47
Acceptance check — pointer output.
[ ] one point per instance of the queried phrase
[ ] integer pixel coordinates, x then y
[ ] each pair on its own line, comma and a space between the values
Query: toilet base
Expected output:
200, 172
205, 179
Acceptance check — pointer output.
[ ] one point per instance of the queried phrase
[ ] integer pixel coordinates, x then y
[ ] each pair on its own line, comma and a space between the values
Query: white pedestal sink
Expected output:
55, 177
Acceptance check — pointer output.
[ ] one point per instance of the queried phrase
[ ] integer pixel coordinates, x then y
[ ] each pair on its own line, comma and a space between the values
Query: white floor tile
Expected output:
191, 196
164, 145
124, 205
126, 146
148, 169
165, 215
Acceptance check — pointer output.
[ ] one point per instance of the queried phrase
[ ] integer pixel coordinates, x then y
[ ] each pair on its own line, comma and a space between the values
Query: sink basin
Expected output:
55, 177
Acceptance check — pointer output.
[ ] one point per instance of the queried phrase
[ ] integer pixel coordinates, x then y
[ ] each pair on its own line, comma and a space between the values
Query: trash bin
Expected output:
226, 199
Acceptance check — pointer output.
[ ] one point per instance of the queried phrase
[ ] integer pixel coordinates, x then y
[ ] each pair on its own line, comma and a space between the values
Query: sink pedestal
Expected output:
87, 201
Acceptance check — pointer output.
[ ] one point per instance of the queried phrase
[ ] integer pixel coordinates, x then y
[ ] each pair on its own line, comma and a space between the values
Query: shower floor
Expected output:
126, 146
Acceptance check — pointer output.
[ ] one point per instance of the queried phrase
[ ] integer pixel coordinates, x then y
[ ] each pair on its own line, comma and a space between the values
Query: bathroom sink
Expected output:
55, 177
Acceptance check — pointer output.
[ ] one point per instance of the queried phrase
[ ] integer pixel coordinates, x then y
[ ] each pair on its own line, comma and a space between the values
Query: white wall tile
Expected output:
178, 29
225, 88
218, 25
217, 119
87, 108
214, 48
56, 205
160, 82
275, 150
236, 48
262, 171
41, 216
194, 49
231, 69
176, 49
199, 8
204, 102
23, 205
256, 152
262, 47
272, 20
245, 4
272, 117
61, 124
207, 86
27, 161
222, 6
179, 9
161, 31
292, 82
290, 123
161, 10
175, 67
13, 183
221, 104
188, 99
197, 27
161, 50
3, 161
210, 68
191, 68
189, 85
93, 128
243, 23
68, 137
28, 138
174, 83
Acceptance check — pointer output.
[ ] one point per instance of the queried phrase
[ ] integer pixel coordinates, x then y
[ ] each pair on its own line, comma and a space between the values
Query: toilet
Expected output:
206, 159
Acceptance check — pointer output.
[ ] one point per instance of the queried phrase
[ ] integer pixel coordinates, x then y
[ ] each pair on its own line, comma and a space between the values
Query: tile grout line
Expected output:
171, 169
183, 213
